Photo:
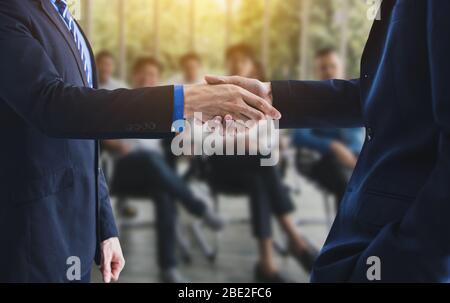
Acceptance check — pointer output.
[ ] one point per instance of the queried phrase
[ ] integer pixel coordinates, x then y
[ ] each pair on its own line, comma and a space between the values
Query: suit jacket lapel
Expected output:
61, 26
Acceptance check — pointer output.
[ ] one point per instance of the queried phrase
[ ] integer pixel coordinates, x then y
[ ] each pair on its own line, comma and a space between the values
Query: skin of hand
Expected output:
261, 89
112, 262
116, 146
343, 155
226, 99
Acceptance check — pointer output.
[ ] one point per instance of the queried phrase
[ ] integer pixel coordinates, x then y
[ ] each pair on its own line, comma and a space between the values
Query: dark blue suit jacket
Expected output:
397, 206
53, 198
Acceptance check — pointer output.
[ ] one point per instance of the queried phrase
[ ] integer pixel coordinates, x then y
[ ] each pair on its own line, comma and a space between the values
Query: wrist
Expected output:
189, 91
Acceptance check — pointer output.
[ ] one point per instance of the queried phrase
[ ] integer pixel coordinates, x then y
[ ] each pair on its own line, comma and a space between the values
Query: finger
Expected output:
240, 119
260, 104
213, 124
230, 127
116, 269
253, 114
214, 80
227, 122
234, 80
106, 268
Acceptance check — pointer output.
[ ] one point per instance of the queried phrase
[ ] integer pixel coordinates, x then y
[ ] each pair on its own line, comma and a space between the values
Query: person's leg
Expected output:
169, 180
282, 206
280, 200
166, 214
261, 224
297, 242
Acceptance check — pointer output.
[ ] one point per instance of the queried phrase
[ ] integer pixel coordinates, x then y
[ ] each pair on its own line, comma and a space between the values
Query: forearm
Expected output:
83, 113
315, 104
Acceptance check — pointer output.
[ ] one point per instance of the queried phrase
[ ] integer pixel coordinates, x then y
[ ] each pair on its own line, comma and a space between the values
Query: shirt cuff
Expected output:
178, 109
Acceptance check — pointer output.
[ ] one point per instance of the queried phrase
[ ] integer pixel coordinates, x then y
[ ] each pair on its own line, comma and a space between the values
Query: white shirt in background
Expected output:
112, 84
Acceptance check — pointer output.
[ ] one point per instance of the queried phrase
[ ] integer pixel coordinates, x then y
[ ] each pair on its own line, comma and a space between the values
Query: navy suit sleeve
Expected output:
420, 242
32, 87
108, 228
315, 104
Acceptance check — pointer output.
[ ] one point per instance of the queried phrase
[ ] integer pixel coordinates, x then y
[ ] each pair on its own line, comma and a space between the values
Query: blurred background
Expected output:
226, 219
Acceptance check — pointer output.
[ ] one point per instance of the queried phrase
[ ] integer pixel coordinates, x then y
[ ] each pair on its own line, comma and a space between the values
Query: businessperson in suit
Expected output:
397, 205
54, 207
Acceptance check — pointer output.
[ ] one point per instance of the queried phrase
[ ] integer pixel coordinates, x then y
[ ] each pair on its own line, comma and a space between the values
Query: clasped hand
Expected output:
237, 97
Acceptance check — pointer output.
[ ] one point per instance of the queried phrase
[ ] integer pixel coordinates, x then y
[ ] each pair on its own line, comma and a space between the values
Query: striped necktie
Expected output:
63, 10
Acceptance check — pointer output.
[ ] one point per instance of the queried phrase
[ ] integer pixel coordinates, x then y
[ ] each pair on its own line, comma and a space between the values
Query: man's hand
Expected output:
261, 89
343, 155
112, 261
226, 99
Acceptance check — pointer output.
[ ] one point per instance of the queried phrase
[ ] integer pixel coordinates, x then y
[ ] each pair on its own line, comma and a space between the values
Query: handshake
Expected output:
237, 98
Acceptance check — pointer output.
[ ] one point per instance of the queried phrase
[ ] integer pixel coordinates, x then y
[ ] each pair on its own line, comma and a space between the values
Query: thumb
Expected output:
215, 80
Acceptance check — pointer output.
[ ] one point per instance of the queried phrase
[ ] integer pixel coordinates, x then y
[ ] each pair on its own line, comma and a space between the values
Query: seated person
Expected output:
338, 151
142, 169
268, 195
338, 148
191, 67
106, 67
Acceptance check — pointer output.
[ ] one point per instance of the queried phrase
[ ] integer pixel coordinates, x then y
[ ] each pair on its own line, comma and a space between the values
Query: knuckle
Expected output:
237, 102
243, 108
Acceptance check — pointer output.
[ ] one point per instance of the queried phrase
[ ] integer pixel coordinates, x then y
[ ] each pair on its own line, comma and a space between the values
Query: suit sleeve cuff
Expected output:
178, 109
281, 92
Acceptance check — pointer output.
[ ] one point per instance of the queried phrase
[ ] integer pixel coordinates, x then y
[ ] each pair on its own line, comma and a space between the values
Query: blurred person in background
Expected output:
141, 167
106, 67
268, 195
338, 149
191, 67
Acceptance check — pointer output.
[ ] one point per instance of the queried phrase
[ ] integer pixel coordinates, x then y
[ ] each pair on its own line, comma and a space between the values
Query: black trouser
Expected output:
144, 173
268, 195
332, 176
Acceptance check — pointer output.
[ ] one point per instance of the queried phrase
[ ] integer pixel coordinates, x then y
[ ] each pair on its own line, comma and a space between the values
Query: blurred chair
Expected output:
122, 195
304, 161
